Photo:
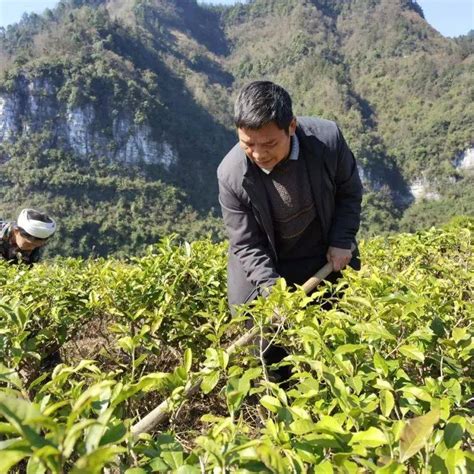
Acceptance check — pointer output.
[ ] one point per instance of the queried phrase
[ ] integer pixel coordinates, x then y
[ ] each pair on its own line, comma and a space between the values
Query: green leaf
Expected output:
301, 427
149, 382
237, 389
126, 343
380, 364
23, 416
94, 433
94, 462
373, 331
350, 348
7, 428
371, 438
324, 467
186, 469
10, 376
74, 433
271, 458
97, 390
173, 457
459, 334
223, 359
22, 317
50, 409
114, 435
329, 424
397, 429
9, 458
270, 403
209, 381
417, 392
35, 466
387, 402
412, 352
455, 461
170, 450
416, 433
392, 468
158, 465
383, 385
188, 359
454, 431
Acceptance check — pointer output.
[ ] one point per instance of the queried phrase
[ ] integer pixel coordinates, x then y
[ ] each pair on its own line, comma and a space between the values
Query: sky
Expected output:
449, 17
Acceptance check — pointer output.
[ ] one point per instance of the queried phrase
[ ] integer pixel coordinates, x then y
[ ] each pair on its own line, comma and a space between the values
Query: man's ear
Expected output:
292, 127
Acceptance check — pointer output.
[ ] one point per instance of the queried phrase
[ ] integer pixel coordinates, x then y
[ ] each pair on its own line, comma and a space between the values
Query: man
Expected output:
290, 195
22, 240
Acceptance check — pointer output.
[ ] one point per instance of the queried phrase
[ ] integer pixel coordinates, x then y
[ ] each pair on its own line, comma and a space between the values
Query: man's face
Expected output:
268, 145
27, 242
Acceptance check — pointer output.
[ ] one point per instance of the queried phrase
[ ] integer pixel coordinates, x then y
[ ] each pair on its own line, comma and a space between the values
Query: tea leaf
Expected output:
387, 402
412, 352
270, 403
454, 430
209, 381
416, 433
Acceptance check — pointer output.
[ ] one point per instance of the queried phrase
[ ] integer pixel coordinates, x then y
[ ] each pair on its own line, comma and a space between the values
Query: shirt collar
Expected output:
294, 153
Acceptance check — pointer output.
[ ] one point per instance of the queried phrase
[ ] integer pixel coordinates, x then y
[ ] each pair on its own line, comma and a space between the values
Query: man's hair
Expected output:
262, 102
38, 216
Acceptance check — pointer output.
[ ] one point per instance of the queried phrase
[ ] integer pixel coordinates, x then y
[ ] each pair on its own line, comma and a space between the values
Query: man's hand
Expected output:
338, 257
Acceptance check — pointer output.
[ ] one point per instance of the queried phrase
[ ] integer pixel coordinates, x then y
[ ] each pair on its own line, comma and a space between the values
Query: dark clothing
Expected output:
293, 212
254, 261
11, 252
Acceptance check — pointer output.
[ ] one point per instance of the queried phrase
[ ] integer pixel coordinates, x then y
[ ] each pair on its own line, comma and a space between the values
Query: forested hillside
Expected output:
114, 114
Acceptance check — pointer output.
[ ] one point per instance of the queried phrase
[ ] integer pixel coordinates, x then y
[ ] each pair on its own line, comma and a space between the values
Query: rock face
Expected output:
421, 188
33, 107
7, 118
465, 161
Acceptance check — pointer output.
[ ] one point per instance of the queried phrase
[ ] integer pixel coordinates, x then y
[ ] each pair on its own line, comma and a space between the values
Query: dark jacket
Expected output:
337, 193
11, 253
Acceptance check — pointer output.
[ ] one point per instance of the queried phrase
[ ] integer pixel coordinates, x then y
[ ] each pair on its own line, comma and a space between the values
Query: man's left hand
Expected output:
338, 257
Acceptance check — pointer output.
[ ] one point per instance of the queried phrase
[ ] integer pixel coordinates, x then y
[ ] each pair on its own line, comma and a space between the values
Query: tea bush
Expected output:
381, 377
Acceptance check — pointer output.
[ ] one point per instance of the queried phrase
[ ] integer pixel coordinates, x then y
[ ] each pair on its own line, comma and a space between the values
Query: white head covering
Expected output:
38, 229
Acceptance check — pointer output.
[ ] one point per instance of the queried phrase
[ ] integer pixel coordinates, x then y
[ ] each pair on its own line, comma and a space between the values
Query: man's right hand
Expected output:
339, 258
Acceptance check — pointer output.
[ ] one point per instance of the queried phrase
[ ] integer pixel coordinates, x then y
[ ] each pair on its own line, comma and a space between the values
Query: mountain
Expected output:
114, 114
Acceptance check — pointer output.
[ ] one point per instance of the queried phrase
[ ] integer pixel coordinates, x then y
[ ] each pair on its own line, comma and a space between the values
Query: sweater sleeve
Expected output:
348, 197
247, 240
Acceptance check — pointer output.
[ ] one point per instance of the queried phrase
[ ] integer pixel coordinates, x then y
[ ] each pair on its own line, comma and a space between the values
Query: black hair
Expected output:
262, 102
38, 216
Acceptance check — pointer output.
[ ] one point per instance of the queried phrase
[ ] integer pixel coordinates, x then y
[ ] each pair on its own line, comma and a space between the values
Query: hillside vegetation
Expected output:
380, 382
146, 86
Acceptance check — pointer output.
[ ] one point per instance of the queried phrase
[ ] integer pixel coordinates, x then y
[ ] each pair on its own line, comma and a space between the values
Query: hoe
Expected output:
163, 410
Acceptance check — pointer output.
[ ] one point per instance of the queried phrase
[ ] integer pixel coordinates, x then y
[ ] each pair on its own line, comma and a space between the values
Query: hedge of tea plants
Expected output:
381, 364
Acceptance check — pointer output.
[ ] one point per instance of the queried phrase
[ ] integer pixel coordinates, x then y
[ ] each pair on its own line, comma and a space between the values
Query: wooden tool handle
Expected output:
162, 411
310, 284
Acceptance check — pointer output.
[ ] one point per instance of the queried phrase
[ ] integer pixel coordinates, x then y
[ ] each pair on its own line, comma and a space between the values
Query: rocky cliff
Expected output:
148, 85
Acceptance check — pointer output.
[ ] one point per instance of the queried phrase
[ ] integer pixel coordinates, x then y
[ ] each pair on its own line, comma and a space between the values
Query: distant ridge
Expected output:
143, 89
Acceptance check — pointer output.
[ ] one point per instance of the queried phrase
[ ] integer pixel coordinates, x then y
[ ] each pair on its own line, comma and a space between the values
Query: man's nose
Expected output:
256, 153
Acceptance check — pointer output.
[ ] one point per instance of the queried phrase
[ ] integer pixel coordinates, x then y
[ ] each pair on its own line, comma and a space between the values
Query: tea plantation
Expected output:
381, 382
